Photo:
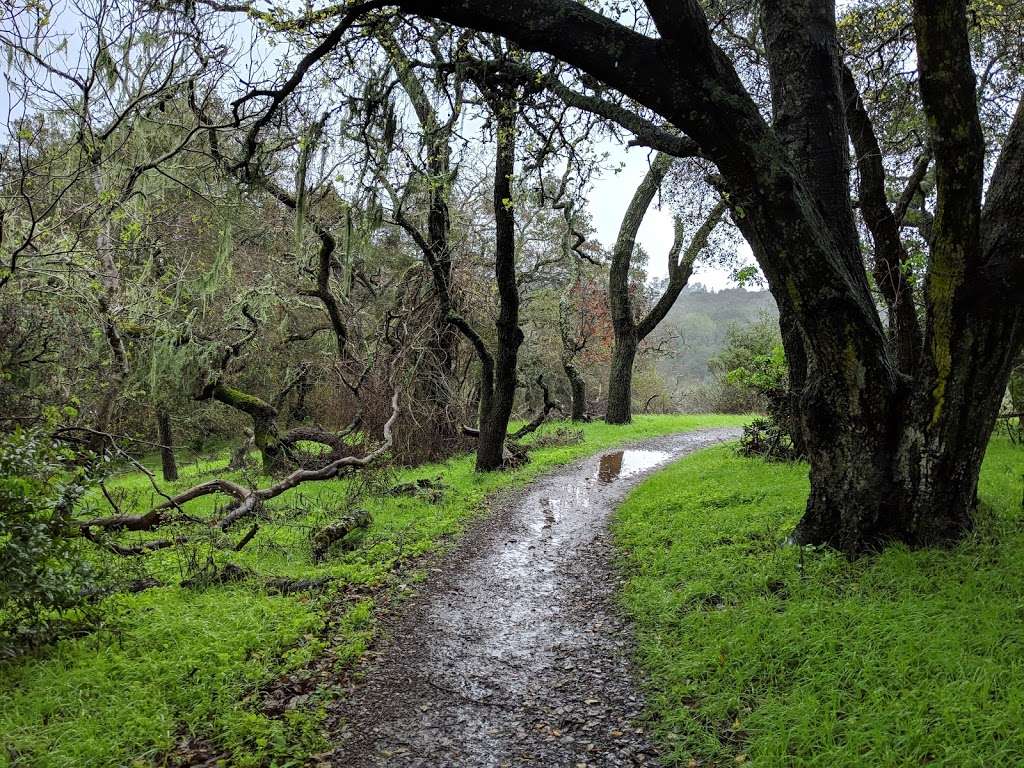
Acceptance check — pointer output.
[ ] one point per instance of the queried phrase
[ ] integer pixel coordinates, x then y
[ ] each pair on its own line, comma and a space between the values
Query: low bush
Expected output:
43, 572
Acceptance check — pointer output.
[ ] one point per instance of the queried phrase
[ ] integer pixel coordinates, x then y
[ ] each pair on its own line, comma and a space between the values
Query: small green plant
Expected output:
43, 574
767, 377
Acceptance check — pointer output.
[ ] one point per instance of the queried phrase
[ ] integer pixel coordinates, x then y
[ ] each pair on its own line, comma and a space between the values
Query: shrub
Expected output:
734, 390
43, 573
770, 437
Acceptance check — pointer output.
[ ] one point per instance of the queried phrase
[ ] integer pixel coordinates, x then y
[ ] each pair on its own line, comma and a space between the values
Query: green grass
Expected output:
172, 661
762, 654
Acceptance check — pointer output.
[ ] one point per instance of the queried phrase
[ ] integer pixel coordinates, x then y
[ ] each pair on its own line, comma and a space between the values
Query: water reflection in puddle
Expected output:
625, 463
548, 508
563, 513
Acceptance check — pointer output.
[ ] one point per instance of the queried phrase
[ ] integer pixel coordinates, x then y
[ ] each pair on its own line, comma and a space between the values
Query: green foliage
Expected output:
167, 662
764, 374
761, 653
767, 378
43, 574
702, 320
746, 367
754, 373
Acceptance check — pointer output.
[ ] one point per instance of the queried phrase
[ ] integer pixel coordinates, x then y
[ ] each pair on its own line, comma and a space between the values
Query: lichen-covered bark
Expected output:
620, 380
936, 424
264, 424
577, 392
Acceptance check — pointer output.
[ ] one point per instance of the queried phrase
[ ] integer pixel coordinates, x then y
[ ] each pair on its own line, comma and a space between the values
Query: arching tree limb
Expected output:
247, 500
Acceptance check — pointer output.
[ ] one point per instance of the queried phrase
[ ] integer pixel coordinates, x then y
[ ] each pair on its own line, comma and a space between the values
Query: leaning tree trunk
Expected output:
266, 437
620, 377
165, 437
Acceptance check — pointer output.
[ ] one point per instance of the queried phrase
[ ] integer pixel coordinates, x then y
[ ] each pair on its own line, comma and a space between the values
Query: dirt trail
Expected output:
514, 654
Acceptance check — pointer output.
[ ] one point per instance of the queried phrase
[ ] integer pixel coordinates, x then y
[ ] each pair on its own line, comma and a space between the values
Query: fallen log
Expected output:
284, 586
327, 536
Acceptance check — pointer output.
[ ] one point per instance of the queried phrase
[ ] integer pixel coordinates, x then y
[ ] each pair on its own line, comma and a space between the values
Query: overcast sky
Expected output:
607, 202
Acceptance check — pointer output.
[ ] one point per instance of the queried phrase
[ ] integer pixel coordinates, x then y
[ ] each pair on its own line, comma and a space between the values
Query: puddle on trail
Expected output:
577, 493
625, 463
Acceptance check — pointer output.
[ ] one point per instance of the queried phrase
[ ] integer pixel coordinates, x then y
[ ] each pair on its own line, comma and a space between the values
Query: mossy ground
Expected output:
172, 661
765, 654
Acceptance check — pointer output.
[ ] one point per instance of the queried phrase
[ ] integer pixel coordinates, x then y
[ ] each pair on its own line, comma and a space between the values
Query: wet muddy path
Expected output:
514, 654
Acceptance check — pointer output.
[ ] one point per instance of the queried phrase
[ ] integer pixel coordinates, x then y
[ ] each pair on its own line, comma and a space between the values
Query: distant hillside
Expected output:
700, 319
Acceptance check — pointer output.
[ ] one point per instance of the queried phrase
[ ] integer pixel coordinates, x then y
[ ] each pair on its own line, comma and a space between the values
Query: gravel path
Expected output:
514, 654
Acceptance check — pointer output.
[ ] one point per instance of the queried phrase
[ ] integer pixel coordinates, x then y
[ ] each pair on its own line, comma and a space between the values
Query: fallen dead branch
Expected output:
542, 415
246, 501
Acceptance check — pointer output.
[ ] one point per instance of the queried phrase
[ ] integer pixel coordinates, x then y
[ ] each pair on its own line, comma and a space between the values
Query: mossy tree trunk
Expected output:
577, 392
266, 436
165, 437
620, 378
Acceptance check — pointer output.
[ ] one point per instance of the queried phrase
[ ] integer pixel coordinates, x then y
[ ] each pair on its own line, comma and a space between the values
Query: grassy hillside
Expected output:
771, 655
701, 319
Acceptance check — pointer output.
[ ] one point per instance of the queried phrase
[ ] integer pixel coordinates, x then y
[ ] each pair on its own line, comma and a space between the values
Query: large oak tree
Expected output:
895, 434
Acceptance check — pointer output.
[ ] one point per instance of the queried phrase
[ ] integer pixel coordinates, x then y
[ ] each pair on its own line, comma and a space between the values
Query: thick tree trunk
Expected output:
920, 485
490, 449
620, 376
578, 392
620, 379
166, 439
